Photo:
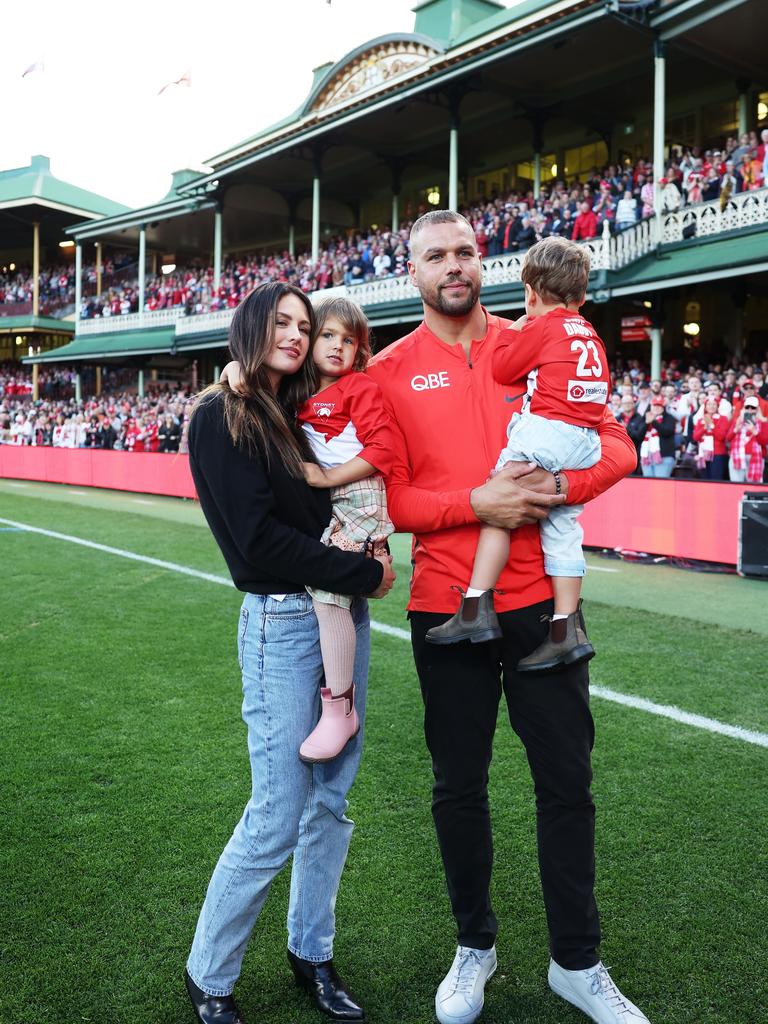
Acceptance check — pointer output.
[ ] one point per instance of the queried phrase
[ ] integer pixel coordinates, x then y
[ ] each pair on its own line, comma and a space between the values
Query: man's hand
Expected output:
315, 475
387, 579
508, 501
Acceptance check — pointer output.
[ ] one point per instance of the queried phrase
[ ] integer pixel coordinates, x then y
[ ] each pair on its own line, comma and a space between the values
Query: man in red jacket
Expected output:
585, 225
452, 417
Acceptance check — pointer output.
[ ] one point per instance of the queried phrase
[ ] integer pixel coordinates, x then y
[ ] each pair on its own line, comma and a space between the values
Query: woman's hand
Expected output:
232, 375
315, 475
387, 579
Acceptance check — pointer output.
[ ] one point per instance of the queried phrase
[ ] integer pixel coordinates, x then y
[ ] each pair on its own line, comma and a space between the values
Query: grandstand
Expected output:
464, 112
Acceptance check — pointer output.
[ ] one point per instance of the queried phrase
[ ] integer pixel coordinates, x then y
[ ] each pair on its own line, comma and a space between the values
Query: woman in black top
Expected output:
245, 455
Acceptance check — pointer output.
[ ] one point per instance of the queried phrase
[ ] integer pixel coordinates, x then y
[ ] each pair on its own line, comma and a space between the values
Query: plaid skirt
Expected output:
359, 520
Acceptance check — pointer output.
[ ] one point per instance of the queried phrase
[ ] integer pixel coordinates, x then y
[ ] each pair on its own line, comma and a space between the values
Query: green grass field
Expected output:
124, 770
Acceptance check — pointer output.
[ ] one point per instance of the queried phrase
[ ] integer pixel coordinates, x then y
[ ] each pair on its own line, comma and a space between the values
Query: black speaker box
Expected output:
753, 534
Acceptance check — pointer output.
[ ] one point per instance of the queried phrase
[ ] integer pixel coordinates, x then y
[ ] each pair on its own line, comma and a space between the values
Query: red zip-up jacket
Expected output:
449, 425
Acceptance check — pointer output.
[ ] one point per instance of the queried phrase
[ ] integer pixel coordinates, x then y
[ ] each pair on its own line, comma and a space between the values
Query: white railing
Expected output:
129, 322
610, 252
747, 209
217, 321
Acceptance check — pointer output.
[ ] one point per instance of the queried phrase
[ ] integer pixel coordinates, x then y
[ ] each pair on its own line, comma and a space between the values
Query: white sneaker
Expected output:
461, 994
594, 992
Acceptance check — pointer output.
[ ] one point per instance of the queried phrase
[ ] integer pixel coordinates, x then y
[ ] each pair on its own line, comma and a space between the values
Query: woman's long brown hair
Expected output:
255, 416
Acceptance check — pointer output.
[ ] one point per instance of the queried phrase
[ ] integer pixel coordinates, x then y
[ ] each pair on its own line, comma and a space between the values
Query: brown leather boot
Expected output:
567, 644
475, 621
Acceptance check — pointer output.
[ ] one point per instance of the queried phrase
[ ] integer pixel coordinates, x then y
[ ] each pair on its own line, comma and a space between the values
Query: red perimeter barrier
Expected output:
143, 472
680, 518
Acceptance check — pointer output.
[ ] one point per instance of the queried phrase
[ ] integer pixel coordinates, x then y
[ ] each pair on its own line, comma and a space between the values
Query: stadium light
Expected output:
762, 111
11, 266
19, 340
648, 304
553, 170
168, 268
66, 245
433, 197
692, 329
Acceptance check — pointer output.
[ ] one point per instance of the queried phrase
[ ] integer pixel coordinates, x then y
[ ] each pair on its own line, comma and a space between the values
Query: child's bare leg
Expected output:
567, 593
337, 645
490, 558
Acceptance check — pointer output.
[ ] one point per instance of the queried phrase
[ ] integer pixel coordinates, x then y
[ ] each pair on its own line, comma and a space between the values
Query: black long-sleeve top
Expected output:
266, 522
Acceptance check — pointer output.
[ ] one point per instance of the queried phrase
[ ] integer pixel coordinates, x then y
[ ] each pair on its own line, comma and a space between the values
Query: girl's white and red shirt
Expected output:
348, 420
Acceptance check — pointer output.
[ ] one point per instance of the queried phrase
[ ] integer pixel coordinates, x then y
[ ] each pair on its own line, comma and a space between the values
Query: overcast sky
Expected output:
95, 110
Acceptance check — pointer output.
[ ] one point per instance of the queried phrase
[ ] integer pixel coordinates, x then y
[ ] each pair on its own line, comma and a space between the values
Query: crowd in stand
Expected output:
709, 423
117, 419
620, 196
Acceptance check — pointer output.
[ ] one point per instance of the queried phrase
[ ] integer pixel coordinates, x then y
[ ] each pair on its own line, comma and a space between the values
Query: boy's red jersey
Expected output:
449, 425
569, 379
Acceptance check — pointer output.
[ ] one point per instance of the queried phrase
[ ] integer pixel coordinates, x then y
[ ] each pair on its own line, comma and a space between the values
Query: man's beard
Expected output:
437, 301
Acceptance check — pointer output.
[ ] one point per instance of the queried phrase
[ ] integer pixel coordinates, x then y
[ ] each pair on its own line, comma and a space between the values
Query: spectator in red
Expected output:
749, 390
710, 434
657, 450
747, 439
585, 225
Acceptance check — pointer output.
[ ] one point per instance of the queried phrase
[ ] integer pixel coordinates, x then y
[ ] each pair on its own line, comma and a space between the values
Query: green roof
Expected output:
35, 184
109, 346
27, 322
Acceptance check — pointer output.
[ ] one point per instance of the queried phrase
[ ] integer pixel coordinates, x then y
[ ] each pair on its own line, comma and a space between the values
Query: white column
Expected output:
78, 388
216, 249
659, 67
216, 374
140, 384
316, 219
453, 169
78, 282
142, 264
395, 211
35, 276
655, 353
536, 175
292, 239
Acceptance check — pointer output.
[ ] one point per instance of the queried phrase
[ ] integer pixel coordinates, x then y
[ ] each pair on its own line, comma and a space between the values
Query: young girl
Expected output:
348, 429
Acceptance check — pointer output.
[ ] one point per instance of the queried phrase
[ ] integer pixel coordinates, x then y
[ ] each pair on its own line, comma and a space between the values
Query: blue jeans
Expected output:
660, 469
555, 445
294, 809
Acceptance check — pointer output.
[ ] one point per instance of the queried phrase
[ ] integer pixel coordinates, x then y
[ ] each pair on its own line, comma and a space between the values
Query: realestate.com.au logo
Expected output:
578, 391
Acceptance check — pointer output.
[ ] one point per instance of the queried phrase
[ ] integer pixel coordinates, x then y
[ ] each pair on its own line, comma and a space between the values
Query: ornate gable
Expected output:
368, 69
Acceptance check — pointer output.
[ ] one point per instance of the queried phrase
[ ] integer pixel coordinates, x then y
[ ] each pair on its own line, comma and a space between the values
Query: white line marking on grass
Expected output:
172, 566
599, 568
83, 494
15, 483
736, 732
143, 501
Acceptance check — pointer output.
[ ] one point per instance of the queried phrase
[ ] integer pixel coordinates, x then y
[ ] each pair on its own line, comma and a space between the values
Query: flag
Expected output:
37, 66
186, 80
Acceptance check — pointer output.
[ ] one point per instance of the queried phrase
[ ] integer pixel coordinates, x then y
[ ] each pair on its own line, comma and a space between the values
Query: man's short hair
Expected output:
438, 217
557, 270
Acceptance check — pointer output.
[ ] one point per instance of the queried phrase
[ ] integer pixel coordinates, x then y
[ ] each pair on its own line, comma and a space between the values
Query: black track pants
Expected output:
461, 687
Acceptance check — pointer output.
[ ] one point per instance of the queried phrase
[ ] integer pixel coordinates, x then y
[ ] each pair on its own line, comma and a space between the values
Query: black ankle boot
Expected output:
326, 988
212, 1009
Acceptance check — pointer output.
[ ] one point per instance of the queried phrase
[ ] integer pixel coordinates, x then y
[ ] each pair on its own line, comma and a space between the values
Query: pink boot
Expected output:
337, 726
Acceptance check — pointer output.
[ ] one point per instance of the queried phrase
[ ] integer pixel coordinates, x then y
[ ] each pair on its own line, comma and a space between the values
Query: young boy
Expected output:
568, 386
